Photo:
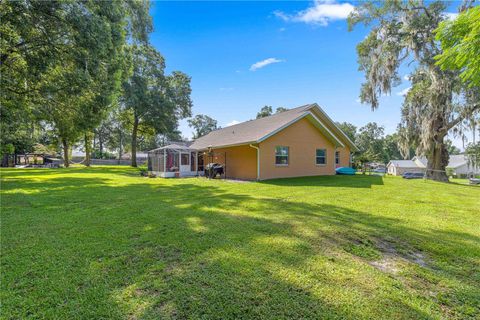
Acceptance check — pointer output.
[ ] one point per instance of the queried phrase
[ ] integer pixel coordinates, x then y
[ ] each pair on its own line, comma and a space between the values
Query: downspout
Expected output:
258, 160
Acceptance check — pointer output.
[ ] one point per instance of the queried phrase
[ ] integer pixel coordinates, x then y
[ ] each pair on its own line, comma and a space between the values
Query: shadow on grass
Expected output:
152, 249
356, 181
21, 172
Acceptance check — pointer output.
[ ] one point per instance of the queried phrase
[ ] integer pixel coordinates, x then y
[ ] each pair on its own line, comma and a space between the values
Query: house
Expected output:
457, 163
460, 166
399, 167
303, 141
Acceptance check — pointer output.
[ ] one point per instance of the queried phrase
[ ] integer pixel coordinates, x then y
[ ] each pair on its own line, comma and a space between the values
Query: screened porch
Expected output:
173, 161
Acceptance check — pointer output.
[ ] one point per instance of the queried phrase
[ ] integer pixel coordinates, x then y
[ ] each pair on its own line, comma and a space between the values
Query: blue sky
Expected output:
244, 55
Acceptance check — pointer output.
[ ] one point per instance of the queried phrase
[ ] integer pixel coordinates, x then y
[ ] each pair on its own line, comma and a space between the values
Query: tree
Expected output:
391, 150
349, 129
155, 100
473, 155
202, 124
437, 102
266, 111
281, 109
60, 60
370, 141
452, 150
460, 43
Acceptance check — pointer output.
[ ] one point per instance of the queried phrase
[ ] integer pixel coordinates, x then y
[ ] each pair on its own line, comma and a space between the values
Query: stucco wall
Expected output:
241, 162
303, 139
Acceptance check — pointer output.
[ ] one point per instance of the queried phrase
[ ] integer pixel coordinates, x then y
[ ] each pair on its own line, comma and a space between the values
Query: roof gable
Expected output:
258, 130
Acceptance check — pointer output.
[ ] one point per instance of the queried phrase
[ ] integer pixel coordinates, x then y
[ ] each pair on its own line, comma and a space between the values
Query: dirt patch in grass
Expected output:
392, 258
387, 255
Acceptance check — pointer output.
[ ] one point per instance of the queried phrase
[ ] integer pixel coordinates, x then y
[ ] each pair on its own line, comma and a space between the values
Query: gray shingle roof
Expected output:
456, 161
404, 163
252, 131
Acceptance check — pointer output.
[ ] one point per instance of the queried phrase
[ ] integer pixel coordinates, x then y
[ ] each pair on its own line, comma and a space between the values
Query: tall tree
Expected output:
202, 124
281, 109
370, 141
460, 42
403, 31
61, 59
349, 129
265, 112
473, 155
451, 148
391, 149
155, 100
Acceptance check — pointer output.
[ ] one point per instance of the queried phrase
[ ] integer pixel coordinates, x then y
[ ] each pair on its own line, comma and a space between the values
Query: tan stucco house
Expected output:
303, 141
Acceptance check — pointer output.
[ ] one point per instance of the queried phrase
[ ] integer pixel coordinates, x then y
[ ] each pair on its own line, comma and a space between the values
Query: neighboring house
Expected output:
458, 164
299, 142
399, 167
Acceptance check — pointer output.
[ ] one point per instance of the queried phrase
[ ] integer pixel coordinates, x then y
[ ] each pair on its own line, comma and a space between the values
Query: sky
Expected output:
244, 55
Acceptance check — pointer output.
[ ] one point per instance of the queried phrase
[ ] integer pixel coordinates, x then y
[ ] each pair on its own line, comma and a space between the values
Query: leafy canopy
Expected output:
460, 43
202, 124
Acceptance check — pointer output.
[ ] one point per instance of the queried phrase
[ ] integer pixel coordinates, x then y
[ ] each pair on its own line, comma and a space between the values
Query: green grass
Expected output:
106, 243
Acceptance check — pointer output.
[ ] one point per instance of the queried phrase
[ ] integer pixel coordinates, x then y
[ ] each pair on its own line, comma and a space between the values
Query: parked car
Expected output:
413, 175
380, 170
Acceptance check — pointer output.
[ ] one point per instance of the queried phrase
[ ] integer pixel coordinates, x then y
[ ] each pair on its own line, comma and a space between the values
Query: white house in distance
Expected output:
457, 163
399, 167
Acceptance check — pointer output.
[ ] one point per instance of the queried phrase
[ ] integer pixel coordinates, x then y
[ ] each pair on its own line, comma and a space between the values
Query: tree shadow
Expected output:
337, 181
153, 249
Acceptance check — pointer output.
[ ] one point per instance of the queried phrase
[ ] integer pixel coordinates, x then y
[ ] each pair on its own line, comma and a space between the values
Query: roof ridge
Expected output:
267, 117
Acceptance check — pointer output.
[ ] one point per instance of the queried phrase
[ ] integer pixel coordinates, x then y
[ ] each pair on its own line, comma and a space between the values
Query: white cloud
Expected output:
358, 100
406, 77
231, 123
404, 92
264, 63
322, 12
282, 29
450, 15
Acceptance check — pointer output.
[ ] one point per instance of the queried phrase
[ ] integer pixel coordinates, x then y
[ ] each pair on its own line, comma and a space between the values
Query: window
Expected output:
281, 156
337, 157
185, 159
321, 156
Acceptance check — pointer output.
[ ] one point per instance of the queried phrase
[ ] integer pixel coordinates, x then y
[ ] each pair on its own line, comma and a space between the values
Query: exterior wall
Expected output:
398, 171
344, 157
241, 162
391, 169
302, 138
464, 169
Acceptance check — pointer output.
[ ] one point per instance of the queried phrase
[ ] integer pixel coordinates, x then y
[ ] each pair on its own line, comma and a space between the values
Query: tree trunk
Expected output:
120, 145
100, 146
66, 158
134, 141
88, 149
437, 162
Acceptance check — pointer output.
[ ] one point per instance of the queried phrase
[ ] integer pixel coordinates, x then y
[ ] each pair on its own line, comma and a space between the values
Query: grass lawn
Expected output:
106, 243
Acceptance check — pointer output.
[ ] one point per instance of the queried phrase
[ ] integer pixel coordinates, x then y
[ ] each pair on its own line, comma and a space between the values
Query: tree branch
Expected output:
461, 117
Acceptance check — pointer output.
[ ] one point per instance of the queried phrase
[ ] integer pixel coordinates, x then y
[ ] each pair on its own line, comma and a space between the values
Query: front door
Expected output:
185, 162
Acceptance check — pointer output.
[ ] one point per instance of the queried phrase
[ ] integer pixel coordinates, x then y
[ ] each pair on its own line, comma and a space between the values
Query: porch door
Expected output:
185, 162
